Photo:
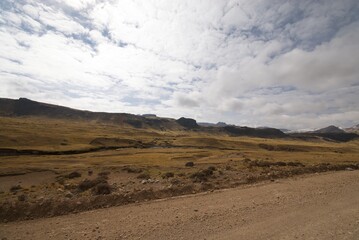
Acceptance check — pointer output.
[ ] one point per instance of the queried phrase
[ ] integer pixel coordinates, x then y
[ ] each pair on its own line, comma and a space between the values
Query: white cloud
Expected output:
286, 63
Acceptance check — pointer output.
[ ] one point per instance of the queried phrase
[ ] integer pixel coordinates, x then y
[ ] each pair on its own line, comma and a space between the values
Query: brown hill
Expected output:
331, 133
329, 129
254, 132
27, 107
354, 129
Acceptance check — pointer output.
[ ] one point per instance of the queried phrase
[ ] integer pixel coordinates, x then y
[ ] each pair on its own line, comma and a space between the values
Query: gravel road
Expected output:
318, 206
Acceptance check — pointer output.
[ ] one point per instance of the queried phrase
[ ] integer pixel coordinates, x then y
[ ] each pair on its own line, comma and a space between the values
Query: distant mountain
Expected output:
329, 129
254, 132
26, 107
285, 130
331, 133
353, 129
219, 124
149, 115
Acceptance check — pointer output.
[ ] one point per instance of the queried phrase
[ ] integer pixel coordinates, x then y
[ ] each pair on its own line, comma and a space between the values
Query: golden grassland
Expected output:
171, 149
116, 165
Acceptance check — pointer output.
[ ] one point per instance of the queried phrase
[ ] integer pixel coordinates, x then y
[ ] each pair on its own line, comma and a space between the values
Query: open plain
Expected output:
51, 167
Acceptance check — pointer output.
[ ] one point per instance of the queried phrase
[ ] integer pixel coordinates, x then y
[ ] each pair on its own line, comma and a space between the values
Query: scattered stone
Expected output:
349, 169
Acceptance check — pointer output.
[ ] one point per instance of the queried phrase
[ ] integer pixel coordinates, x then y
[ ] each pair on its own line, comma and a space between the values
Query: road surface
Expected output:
318, 206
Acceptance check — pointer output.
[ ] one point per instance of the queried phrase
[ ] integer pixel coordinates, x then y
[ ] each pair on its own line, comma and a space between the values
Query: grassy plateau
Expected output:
51, 167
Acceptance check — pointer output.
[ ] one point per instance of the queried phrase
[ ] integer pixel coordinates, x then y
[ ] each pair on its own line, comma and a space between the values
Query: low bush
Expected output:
74, 175
189, 164
132, 169
168, 175
144, 176
102, 189
15, 188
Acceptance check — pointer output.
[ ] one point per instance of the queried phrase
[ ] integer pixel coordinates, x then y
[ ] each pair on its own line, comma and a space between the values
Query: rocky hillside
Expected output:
354, 129
254, 132
27, 107
329, 129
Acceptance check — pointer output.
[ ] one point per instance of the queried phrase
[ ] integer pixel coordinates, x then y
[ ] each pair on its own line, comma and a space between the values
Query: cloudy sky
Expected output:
281, 63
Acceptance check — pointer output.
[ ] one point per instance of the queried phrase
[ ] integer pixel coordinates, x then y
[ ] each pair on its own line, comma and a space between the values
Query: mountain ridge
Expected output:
26, 107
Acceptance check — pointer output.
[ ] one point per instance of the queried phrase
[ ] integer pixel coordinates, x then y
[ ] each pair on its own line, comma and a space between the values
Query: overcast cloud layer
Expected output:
289, 64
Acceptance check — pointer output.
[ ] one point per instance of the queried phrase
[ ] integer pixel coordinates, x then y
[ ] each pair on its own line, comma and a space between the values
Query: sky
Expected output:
281, 63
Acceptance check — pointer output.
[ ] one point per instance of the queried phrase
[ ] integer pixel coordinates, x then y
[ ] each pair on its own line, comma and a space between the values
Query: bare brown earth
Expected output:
317, 206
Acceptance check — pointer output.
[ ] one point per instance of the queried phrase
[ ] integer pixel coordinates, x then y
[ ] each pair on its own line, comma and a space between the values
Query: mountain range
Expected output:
25, 107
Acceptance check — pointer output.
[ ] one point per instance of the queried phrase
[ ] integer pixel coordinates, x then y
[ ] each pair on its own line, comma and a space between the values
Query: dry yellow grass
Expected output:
201, 148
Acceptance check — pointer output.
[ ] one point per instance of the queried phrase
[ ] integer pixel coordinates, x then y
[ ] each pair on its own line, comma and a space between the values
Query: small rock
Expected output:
349, 169
144, 181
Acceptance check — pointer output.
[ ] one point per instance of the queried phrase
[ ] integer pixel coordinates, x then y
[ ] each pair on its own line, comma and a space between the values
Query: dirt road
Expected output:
324, 206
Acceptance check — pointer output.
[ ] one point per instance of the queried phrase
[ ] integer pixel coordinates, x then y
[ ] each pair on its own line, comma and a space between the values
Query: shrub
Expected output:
168, 175
281, 164
144, 176
21, 198
132, 169
202, 175
102, 189
175, 181
87, 184
74, 175
103, 175
295, 164
211, 168
189, 164
15, 188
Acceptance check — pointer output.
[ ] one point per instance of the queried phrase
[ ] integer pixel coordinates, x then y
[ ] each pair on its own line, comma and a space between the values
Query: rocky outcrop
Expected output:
188, 123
